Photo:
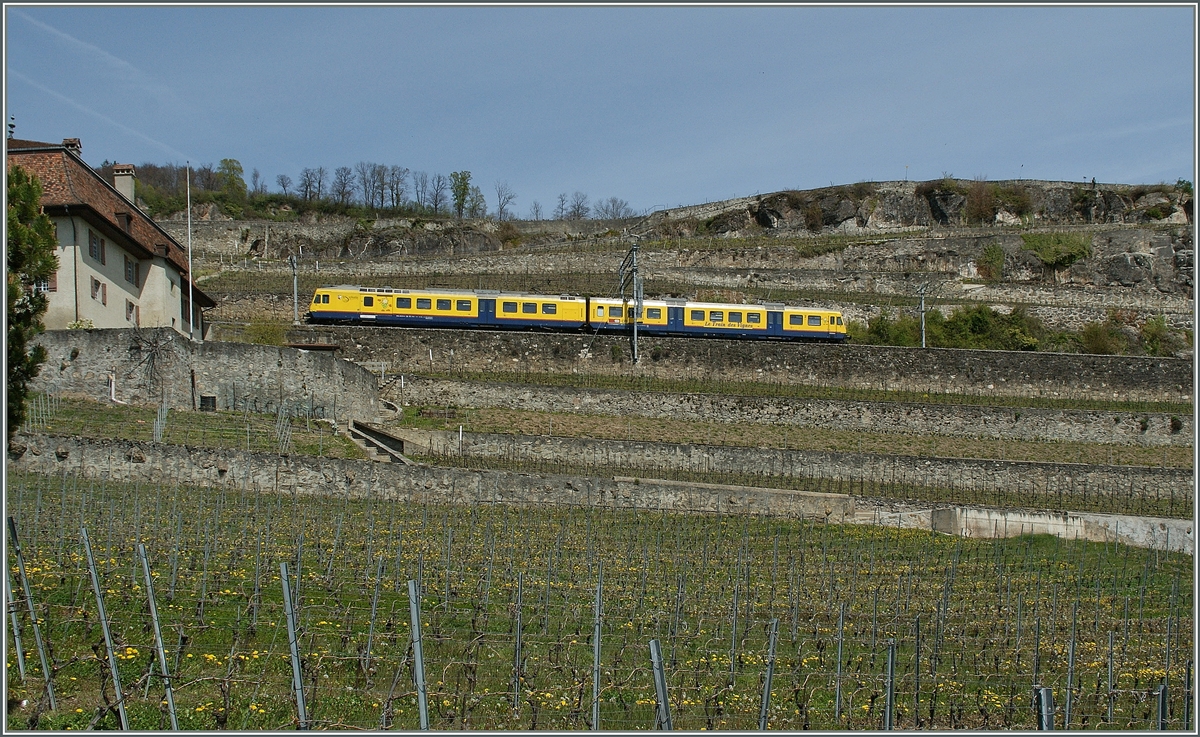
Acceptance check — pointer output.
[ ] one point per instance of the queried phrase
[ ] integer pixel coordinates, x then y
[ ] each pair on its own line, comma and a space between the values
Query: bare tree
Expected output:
504, 197
365, 171
560, 210
284, 182
257, 185
307, 184
343, 188
205, 177
439, 188
535, 211
421, 188
578, 209
397, 178
613, 209
319, 174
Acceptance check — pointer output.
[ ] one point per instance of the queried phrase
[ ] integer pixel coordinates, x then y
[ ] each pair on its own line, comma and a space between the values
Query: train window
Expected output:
653, 313
599, 311
508, 307
795, 319
368, 301
424, 303
405, 302
443, 304
698, 315
753, 317
463, 305
716, 316
529, 307
839, 320
814, 320
735, 317
615, 311
549, 308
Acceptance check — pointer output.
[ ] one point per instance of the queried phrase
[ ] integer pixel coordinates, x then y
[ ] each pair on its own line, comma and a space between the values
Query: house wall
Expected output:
157, 295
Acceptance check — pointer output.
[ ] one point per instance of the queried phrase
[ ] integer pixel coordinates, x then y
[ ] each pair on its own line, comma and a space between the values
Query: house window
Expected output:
47, 285
96, 247
795, 319
529, 307
549, 309
753, 317
443, 304
133, 272
132, 313
814, 320
698, 315
424, 304
463, 305
653, 313
404, 302
99, 291
508, 307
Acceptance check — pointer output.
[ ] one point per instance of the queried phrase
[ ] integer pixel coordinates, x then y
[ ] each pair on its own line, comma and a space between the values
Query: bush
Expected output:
980, 206
1157, 339
1103, 338
991, 262
813, 217
1058, 250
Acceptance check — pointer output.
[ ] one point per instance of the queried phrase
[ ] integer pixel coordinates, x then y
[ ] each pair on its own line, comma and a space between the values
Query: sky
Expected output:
659, 106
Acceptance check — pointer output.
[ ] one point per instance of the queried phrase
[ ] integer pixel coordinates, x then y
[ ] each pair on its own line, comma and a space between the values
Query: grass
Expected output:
804, 391
223, 429
991, 617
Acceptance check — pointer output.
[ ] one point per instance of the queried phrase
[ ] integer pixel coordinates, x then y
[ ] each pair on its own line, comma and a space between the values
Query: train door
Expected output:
774, 323
675, 319
487, 311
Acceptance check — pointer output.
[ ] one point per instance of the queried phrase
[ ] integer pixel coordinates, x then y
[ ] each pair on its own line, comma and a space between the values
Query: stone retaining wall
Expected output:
168, 464
160, 366
999, 373
966, 421
1034, 479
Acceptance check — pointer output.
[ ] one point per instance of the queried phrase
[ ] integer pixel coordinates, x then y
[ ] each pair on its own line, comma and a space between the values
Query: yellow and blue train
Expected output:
494, 310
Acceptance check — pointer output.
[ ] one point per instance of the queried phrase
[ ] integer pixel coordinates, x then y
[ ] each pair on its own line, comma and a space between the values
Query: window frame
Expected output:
529, 308
653, 313
462, 305
444, 304
549, 308
424, 303
698, 315
508, 307
796, 319
754, 318
716, 315
814, 321
368, 301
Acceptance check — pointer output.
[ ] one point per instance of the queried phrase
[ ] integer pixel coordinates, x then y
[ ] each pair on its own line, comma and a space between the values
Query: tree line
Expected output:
365, 188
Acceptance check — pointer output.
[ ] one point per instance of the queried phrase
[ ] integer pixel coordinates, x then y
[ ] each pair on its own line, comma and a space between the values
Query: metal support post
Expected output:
295, 291
837, 694
663, 709
596, 652
47, 673
16, 623
159, 651
1163, 705
297, 677
414, 614
766, 694
1043, 707
890, 694
517, 648
108, 643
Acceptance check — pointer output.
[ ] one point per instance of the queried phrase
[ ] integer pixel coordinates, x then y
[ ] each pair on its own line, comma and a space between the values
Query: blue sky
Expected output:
660, 106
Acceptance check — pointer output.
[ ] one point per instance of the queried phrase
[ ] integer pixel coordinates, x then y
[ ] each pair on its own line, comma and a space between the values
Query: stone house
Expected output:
116, 267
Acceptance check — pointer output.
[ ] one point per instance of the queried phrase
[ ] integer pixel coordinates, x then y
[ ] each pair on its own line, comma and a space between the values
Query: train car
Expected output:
717, 320
812, 324
607, 314
446, 308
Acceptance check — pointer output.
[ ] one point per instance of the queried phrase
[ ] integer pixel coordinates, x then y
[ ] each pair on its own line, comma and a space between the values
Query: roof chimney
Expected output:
123, 177
73, 145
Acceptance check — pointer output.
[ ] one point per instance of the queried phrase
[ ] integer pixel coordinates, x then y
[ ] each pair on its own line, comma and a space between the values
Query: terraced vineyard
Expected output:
976, 623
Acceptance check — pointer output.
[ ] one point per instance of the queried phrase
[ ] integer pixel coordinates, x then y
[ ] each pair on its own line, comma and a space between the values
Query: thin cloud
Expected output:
120, 126
129, 72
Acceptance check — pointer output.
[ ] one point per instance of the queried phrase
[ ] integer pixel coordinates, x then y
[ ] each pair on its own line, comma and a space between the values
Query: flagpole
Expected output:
191, 294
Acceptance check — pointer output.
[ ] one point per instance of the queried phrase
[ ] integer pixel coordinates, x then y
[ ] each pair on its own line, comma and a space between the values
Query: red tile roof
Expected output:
68, 182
